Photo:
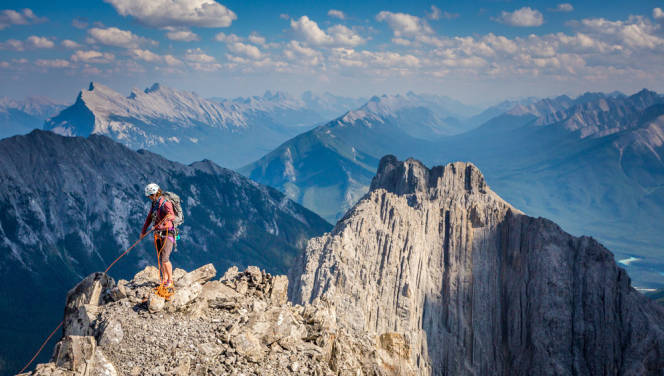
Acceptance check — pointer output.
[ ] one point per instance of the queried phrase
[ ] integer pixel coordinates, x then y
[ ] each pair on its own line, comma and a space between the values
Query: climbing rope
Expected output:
105, 271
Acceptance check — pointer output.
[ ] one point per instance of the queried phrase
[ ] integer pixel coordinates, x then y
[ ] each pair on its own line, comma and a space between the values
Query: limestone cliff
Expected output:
475, 286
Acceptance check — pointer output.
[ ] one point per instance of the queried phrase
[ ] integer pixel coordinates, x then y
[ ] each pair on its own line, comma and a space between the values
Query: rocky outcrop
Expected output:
434, 262
241, 324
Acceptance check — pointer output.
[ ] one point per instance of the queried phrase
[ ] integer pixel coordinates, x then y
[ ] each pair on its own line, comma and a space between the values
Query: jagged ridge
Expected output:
475, 286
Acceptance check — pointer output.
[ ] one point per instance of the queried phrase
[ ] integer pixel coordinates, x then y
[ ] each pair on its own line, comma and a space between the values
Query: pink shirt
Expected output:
166, 211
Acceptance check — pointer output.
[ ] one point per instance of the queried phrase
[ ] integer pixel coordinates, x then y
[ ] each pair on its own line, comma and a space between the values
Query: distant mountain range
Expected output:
186, 127
22, 116
592, 163
70, 205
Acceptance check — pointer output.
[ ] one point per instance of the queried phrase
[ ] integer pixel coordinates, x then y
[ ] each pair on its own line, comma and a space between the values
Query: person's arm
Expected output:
147, 222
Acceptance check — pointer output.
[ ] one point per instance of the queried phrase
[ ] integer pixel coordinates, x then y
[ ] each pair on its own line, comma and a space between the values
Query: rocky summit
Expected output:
241, 324
474, 286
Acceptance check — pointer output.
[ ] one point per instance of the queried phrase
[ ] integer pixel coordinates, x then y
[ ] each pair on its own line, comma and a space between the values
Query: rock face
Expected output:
469, 285
241, 324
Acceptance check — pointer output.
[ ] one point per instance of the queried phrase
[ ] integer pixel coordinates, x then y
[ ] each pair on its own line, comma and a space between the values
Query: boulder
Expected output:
76, 353
111, 333
279, 290
247, 345
147, 276
200, 276
155, 303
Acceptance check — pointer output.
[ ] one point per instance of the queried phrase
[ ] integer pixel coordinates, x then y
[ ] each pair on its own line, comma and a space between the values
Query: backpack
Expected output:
177, 208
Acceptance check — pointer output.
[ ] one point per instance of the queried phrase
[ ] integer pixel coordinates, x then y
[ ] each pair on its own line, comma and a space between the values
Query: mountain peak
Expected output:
412, 176
153, 88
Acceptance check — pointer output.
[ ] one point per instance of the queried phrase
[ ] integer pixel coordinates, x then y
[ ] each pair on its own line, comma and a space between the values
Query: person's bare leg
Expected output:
169, 271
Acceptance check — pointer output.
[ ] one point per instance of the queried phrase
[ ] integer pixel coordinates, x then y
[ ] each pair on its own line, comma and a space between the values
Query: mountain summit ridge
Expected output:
474, 285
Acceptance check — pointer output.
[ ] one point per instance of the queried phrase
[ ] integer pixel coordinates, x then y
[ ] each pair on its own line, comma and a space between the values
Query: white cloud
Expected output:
172, 60
92, 56
403, 24
159, 13
336, 14
564, 7
310, 31
145, 55
524, 17
657, 13
336, 35
55, 63
435, 14
32, 41
182, 35
245, 49
70, 44
256, 38
284, 16
39, 42
227, 38
201, 61
12, 44
113, 36
197, 55
635, 33
26, 16
4, 64
79, 23
295, 51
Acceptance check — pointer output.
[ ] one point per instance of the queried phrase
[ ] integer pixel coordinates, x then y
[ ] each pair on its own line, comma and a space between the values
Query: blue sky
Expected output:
475, 51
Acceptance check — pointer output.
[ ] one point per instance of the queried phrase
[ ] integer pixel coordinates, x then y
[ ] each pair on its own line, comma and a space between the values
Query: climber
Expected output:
161, 215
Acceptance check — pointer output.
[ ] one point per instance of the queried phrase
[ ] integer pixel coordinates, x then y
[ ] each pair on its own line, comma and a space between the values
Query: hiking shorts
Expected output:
165, 247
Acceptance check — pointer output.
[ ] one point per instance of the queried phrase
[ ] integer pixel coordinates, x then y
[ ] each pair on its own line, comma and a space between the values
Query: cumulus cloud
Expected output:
79, 23
336, 14
436, 14
256, 38
201, 61
524, 17
92, 56
657, 13
113, 36
160, 13
197, 55
9, 17
70, 44
145, 55
636, 32
227, 38
295, 51
55, 63
404, 25
339, 35
172, 60
245, 49
39, 42
564, 7
182, 35
12, 44
31, 42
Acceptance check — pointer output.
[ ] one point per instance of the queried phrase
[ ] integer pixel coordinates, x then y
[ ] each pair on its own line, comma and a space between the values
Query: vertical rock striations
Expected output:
474, 285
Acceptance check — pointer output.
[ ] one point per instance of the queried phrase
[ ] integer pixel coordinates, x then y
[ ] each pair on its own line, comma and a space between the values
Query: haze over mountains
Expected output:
592, 163
22, 116
188, 127
70, 205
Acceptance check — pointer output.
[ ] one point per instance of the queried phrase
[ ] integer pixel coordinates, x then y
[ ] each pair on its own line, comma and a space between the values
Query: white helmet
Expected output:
151, 189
